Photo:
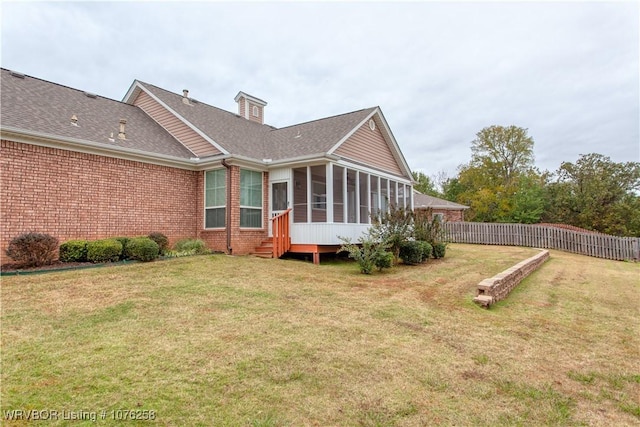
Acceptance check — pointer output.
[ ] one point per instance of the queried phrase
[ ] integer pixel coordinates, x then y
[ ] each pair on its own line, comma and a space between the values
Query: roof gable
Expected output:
372, 143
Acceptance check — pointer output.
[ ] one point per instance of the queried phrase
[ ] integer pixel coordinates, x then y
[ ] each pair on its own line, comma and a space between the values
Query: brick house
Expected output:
444, 209
78, 165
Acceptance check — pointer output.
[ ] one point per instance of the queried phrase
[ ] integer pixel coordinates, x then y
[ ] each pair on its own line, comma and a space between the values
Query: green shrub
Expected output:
383, 259
439, 250
123, 241
33, 249
73, 251
104, 250
142, 249
411, 252
161, 240
426, 249
192, 246
368, 253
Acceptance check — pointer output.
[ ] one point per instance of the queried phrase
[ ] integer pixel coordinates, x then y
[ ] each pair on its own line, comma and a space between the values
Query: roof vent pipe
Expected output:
121, 133
74, 120
185, 96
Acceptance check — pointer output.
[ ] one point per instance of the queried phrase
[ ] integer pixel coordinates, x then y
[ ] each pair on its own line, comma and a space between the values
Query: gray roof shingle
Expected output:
424, 201
40, 106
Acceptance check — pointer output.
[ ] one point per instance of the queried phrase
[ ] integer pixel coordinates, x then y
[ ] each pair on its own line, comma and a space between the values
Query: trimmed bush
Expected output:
161, 240
142, 249
105, 250
439, 250
411, 252
73, 251
426, 250
383, 259
123, 241
33, 249
192, 246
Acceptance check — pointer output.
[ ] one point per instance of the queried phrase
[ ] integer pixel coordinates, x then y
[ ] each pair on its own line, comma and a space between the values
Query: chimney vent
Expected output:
121, 133
185, 96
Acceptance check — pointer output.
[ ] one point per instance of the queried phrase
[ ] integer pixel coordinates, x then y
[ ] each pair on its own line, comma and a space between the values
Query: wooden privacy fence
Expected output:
540, 236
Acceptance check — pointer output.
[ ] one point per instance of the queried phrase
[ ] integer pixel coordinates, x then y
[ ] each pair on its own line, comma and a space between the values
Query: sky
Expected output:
440, 71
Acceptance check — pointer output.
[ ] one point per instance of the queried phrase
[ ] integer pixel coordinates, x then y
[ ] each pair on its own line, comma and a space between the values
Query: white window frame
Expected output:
224, 206
261, 208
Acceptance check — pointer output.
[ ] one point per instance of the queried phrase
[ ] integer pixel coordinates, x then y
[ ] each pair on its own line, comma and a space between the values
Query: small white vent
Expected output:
90, 95
16, 74
372, 124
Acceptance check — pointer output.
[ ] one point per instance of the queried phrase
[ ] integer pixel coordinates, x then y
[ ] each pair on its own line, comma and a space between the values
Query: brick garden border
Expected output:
497, 288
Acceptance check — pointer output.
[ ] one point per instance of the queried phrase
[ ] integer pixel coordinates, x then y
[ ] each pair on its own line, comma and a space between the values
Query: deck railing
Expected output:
281, 233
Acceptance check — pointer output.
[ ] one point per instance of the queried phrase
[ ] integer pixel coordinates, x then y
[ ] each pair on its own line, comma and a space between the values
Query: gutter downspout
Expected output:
228, 208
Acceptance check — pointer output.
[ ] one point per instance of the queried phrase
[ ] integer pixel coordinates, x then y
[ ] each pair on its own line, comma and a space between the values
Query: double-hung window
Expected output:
250, 199
215, 198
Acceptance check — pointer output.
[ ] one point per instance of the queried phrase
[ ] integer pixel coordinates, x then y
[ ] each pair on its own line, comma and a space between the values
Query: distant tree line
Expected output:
501, 184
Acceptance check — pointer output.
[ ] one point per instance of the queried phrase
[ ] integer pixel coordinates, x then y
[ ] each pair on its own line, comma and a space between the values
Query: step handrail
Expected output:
281, 237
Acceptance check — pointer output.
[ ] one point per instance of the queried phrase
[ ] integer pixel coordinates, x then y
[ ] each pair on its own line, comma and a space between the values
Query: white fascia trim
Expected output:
182, 119
398, 152
345, 163
129, 96
90, 147
304, 160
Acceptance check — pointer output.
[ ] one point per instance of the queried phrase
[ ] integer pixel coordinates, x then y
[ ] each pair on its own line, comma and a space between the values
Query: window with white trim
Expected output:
215, 198
250, 199
255, 111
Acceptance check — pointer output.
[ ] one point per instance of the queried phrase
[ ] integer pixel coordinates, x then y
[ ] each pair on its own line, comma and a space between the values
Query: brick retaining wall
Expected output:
499, 286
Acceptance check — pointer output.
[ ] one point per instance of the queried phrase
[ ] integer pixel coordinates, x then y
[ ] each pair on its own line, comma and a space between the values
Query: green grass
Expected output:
219, 340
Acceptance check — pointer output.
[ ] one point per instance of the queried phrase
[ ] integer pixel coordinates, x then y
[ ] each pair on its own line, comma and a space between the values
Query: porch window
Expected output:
401, 201
250, 199
338, 194
215, 198
375, 196
352, 196
300, 195
364, 198
319, 193
384, 195
392, 194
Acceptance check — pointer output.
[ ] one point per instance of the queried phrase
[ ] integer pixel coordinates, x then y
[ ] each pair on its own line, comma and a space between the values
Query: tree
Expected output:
424, 184
597, 194
504, 152
500, 183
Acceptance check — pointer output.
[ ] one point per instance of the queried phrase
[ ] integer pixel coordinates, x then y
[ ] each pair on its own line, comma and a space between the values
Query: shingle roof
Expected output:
36, 105
40, 106
240, 136
424, 201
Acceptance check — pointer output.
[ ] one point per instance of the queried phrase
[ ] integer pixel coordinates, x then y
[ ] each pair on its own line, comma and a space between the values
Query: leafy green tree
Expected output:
500, 183
597, 194
424, 184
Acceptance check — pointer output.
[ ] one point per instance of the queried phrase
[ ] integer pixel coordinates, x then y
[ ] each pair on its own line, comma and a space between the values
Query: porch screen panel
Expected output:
319, 193
401, 203
338, 194
352, 196
250, 198
384, 195
364, 198
392, 194
375, 201
215, 198
300, 195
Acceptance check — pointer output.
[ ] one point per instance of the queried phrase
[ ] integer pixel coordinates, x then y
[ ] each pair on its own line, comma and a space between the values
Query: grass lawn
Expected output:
220, 340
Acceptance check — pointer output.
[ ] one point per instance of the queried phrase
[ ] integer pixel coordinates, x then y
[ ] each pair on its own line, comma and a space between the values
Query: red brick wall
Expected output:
74, 195
243, 241
449, 215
